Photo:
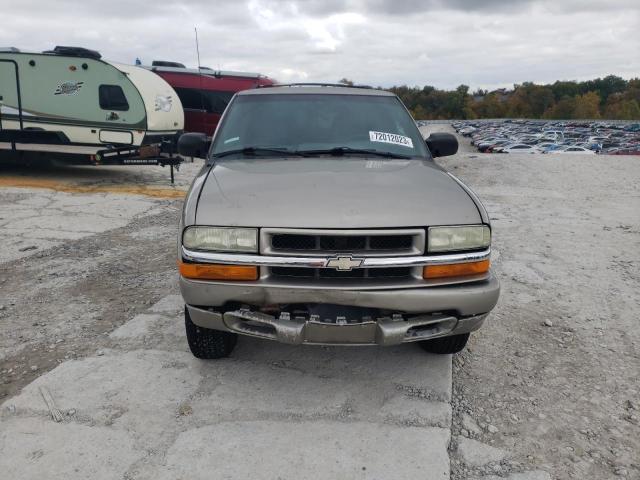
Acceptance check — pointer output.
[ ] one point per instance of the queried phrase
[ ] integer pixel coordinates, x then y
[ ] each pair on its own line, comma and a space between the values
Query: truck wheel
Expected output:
206, 343
452, 344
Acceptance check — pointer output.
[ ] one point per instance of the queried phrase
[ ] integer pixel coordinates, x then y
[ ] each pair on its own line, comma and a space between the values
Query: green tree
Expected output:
563, 89
606, 86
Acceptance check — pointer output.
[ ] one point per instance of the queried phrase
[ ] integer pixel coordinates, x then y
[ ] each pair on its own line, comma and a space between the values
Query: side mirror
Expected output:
193, 145
442, 144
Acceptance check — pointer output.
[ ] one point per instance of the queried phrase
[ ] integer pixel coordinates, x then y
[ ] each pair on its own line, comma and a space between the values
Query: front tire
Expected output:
445, 345
206, 343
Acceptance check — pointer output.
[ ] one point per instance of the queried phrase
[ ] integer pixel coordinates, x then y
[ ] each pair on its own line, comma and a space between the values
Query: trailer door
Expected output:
10, 98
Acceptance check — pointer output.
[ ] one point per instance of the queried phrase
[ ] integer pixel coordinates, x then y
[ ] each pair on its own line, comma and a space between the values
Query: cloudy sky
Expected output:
482, 43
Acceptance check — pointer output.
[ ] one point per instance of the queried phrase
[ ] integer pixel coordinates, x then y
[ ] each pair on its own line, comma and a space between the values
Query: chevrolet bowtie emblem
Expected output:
344, 263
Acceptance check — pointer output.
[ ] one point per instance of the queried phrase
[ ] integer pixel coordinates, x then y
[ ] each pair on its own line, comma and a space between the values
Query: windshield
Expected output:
274, 124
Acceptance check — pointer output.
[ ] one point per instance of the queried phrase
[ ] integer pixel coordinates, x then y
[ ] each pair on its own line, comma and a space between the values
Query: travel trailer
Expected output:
70, 105
205, 93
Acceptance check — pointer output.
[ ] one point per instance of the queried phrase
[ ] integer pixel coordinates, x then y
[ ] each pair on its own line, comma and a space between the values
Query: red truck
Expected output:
205, 93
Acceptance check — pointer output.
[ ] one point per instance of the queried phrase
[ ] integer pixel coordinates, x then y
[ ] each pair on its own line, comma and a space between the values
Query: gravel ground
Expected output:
547, 389
552, 378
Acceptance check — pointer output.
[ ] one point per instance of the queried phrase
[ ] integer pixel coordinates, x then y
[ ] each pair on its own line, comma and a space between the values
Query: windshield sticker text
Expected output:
391, 138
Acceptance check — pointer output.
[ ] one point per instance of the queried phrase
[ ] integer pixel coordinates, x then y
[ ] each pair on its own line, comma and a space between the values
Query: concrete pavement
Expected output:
145, 408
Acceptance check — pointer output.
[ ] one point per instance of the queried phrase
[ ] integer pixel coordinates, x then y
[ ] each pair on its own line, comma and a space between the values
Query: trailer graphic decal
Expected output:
68, 88
163, 103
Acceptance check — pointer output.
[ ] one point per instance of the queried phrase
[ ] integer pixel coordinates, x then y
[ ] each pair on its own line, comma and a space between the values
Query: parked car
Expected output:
484, 144
519, 148
320, 217
547, 136
550, 148
624, 151
575, 150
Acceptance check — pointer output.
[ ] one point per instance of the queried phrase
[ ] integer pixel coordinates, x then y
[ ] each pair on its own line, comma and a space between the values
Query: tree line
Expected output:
611, 98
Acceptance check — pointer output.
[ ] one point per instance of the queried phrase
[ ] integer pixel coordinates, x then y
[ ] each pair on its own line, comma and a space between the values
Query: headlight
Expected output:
221, 239
446, 239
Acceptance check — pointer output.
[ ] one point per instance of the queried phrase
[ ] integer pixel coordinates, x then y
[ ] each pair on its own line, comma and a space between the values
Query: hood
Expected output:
343, 192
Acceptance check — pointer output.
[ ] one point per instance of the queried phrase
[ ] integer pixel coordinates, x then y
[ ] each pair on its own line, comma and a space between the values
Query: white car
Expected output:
520, 148
575, 150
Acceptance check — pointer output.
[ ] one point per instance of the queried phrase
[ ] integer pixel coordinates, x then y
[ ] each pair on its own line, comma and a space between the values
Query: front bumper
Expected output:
413, 311
426, 313
465, 299
392, 330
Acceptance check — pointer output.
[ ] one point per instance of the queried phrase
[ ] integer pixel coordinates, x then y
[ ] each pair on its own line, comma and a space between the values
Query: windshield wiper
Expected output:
340, 151
258, 150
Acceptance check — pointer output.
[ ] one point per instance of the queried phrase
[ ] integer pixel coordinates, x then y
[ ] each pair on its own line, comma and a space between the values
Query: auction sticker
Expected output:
392, 138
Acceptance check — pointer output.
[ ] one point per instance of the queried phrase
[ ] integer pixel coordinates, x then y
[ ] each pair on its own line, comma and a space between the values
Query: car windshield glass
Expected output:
320, 124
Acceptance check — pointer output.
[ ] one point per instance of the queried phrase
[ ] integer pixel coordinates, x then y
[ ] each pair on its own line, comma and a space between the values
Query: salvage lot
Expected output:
94, 308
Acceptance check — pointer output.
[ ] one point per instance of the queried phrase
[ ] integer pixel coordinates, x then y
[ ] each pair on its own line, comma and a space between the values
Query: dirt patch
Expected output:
57, 185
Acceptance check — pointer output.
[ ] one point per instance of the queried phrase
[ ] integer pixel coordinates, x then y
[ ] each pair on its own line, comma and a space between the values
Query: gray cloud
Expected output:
380, 42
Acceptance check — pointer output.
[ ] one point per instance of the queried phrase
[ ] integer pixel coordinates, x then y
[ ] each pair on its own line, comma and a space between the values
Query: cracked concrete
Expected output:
286, 411
43, 207
53, 217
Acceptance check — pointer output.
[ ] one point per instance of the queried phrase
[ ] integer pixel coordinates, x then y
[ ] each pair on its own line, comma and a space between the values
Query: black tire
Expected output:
206, 343
443, 345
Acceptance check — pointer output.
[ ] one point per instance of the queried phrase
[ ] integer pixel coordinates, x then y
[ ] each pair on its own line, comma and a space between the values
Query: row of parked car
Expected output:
562, 137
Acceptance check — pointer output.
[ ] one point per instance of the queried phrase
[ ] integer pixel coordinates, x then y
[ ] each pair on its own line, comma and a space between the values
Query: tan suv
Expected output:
320, 217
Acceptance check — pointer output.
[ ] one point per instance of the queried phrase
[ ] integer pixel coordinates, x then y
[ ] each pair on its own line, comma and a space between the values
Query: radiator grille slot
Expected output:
329, 273
289, 242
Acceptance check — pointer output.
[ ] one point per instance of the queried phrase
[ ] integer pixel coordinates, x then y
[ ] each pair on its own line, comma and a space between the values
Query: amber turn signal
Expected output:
209, 271
455, 269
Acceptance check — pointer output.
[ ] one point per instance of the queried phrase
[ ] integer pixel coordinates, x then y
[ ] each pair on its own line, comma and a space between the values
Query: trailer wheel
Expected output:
444, 345
206, 343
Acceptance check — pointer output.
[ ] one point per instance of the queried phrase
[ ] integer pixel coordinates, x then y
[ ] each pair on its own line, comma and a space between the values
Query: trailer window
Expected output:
112, 98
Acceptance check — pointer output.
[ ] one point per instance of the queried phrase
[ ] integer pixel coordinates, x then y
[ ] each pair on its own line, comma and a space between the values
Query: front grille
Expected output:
361, 243
293, 272
393, 242
293, 242
329, 273
341, 243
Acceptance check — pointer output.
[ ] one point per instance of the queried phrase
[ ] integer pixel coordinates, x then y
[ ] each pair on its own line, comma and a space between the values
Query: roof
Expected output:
63, 52
204, 71
316, 89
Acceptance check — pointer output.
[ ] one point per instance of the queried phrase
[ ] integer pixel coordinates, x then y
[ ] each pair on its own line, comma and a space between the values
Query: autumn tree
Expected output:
587, 106
489, 107
622, 109
419, 113
611, 97
563, 109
